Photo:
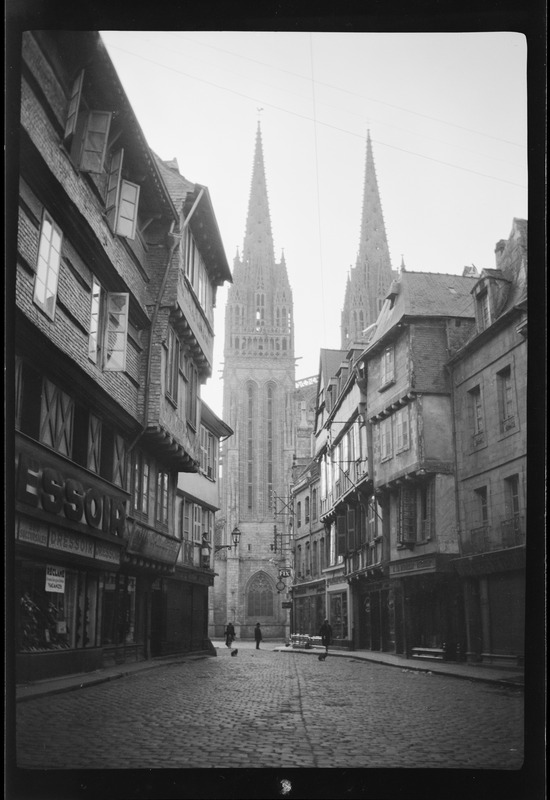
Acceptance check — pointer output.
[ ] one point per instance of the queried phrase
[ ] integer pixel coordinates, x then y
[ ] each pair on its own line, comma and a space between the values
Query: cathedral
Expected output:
259, 405
370, 279
272, 415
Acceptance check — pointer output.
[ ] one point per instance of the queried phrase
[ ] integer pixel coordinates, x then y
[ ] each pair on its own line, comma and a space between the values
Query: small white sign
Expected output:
55, 579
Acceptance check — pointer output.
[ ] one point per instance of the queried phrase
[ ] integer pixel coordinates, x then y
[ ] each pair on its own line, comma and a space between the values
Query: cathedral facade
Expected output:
259, 405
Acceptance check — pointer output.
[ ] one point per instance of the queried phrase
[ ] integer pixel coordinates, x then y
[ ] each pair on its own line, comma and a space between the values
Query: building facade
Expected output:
489, 394
259, 406
111, 344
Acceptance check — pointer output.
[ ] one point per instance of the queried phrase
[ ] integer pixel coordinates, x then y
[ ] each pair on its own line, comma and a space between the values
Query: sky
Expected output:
447, 114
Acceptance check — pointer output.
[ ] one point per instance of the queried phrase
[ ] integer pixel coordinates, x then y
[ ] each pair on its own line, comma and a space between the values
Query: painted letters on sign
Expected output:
55, 579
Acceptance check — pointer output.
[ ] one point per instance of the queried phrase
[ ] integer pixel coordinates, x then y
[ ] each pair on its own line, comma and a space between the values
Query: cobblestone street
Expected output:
274, 710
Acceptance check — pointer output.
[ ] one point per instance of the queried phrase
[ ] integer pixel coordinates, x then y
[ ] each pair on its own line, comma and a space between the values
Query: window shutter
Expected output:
116, 331
351, 529
94, 144
74, 104
407, 529
127, 210
341, 535
113, 187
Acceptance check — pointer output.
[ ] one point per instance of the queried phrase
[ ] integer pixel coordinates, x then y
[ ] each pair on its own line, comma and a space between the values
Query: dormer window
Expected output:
483, 311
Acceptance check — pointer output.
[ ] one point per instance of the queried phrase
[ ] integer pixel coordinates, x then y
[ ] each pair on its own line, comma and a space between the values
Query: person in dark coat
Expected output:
325, 632
229, 634
258, 635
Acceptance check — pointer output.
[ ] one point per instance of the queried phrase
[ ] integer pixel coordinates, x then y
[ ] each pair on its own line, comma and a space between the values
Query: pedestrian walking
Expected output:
229, 634
325, 632
258, 635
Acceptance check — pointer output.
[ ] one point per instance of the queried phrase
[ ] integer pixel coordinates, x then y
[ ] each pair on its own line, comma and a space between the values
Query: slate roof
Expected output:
425, 294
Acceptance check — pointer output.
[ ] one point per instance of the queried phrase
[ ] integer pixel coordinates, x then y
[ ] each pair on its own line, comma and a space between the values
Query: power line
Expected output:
317, 122
354, 94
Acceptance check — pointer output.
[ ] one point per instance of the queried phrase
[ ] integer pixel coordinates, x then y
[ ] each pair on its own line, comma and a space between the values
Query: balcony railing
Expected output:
487, 538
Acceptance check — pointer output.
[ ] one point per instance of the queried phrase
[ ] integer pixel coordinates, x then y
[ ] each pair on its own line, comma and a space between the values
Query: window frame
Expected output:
47, 268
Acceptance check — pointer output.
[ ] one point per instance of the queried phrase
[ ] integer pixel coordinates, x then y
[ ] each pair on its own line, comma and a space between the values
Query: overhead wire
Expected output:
318, 122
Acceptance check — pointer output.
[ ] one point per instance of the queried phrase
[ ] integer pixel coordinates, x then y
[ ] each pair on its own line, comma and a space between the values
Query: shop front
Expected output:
493, 587
68, 553
377, 625
309, 608
430, 607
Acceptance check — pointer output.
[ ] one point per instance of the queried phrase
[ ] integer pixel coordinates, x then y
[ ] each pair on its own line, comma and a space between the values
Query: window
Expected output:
197, 523
402, 429
86, 131
172, 365
161, 513
387, 366
426, 501
483, 311
506, 405
260, 597
121, 199
107, 338
141, 483
208, 453
511, 496
269, 446
306, 510
406, 526
482, 508
192, 378
299, 515
477, 423
47, 268
56, 419
314, 505
385, 439
196, 273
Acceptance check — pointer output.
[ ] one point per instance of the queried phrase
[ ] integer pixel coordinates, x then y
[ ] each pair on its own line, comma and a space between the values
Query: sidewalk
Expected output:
503, 676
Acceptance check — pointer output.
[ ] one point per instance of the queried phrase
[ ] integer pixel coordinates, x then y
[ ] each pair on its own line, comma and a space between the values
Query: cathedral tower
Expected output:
258, 404
370, 279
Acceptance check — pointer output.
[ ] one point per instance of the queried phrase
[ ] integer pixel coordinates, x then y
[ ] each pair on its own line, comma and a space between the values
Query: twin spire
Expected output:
371, 277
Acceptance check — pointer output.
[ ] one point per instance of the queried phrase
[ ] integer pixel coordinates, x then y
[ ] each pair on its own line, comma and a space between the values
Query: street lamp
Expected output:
235, 535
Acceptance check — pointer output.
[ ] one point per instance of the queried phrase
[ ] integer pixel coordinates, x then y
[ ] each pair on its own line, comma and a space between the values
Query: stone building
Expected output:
259, 406
112, 340
489, 395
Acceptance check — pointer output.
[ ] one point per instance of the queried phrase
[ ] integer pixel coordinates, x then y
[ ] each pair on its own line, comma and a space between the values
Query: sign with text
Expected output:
55, 579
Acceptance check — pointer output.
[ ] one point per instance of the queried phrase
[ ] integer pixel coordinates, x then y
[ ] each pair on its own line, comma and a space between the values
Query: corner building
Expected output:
112, 340
259, 406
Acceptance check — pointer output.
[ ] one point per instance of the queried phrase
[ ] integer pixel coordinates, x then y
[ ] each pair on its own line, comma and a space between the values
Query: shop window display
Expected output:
55, 614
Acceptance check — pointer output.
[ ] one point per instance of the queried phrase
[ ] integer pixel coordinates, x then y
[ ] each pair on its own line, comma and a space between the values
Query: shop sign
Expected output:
55, 579
107, 552
285, 573
152, 544
70, 542
32, 532
286, 605
413, 567
43, 486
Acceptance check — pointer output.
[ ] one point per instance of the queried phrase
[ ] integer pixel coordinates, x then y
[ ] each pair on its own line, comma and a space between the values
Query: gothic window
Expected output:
269, 445
260, 597
250, 448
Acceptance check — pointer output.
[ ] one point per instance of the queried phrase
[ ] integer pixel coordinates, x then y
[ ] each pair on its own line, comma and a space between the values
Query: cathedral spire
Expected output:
372, 275
258, 241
